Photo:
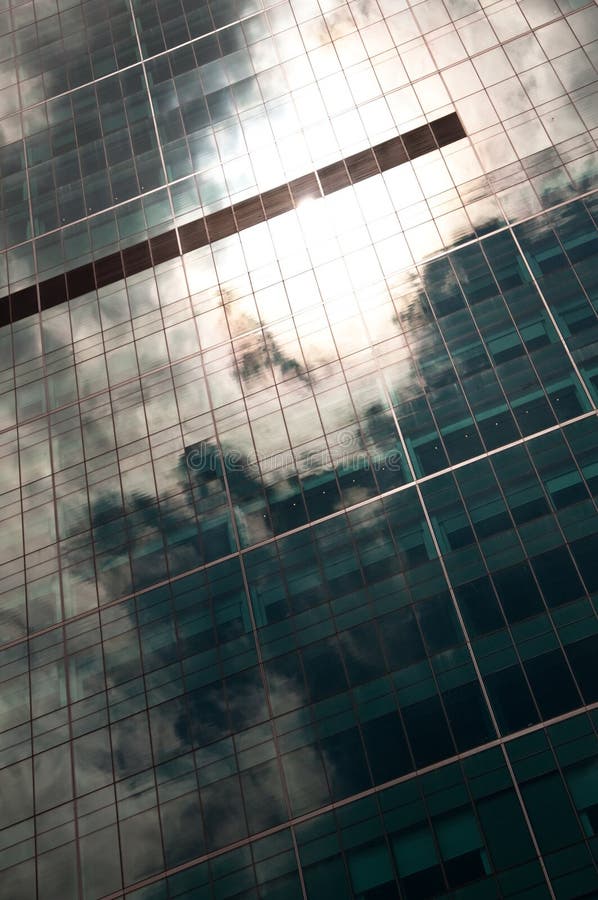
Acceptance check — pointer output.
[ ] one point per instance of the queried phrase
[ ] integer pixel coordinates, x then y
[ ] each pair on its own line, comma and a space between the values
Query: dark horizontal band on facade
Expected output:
153, 251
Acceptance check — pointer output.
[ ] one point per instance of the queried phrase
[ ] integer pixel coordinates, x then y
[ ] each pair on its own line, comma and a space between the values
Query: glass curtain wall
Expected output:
298, 450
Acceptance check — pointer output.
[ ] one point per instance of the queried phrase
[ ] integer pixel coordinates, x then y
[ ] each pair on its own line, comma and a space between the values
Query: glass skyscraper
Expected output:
299, 458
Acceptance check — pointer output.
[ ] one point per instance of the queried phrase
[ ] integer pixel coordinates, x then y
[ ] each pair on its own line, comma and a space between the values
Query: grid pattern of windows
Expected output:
298, 450
246, 95
207, 405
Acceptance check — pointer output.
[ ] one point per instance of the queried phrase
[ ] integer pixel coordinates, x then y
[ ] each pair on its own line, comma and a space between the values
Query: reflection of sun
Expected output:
315, 220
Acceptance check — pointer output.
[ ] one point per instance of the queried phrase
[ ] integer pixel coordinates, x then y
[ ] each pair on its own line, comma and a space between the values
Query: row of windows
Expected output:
559, 248
354, 624
35, 34
445, 357
295, 432
462, 348
50, 47
458, 828
72, 174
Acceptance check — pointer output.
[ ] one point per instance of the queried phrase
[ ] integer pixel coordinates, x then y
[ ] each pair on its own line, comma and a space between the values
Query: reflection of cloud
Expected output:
185, 517
217, 76
16, 792
303, 769
180, 514
141, 846
131, 747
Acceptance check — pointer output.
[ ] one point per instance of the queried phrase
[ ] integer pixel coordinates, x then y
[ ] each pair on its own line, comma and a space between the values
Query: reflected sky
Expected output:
281, 93
178, 670
273, 378
217, 738
181, 427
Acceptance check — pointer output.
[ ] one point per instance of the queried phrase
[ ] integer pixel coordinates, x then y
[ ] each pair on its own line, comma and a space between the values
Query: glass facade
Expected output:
298, 450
